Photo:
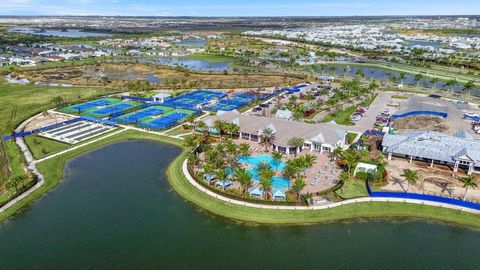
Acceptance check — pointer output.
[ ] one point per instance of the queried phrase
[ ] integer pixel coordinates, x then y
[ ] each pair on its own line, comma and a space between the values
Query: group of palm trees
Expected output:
411, 177
221, 126
222, 161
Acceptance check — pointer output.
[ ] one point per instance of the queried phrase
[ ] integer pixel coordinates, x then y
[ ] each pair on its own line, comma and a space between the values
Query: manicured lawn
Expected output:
41, 147
343, 117
350, 137
19, 102
353, 189
179, 131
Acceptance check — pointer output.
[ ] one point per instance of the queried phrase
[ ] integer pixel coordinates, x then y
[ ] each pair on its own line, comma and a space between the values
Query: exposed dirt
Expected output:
421, 122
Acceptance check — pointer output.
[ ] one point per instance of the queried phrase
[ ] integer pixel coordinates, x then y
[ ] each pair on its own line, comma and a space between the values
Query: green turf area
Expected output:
41, 147
399, 97
19, 102
179, 131
350, 137
343, 117
353, 189
52, 169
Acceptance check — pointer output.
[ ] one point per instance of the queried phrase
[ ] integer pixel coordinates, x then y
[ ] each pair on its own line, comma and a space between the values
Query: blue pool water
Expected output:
277, 182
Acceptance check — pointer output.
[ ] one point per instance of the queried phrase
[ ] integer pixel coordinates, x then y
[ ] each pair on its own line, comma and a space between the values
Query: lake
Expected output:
115, 210
386, 75
191, 43
189, 63
58, 33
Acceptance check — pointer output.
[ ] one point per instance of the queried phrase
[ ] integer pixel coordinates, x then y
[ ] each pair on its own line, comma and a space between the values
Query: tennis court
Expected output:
102, 108
166, 120
232, 103
82, 107
194, 100
143, 114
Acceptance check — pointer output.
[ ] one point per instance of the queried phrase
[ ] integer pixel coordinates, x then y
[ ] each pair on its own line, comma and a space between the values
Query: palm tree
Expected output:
222, 176
469, 86
244, 177
266, 180
193, 159
336, 153
277, 158
296, 142
220, 126
468, 182
451, 82
57, 101
232, 129
263, 166
192, 141
349, 158
202, 126
418, 77
298, 186
309, 160
267, 137
410, 176
244, 150
433, 81
290, 171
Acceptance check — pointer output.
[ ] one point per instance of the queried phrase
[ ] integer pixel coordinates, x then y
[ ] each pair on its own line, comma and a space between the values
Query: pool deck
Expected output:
323, 175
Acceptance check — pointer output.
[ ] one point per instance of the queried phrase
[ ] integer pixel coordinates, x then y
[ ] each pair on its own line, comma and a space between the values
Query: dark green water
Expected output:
115, 210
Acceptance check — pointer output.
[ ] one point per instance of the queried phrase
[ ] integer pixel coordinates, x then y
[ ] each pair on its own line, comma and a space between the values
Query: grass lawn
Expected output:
41, 147
399, 97
19, 102
353, 189
350, 137
343, 117
179, 131
52, 169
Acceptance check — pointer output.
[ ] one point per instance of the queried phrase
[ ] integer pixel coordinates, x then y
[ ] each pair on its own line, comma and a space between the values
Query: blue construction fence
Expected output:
423, 197
373, 132
414, 113
38, 130
473, 118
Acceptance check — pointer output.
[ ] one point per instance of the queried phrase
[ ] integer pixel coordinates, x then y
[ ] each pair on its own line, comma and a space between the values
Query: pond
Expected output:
58, 32
191, 43
189, 63
387, 75
115, 210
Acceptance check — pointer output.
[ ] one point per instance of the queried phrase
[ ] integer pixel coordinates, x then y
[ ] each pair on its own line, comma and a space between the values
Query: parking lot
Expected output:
76, 132
414, 102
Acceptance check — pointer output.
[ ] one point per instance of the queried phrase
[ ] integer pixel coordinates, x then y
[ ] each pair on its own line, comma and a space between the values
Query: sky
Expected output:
239, 8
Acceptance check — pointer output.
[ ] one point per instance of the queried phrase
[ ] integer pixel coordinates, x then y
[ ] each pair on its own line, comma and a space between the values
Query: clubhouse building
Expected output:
317, 137
458, 151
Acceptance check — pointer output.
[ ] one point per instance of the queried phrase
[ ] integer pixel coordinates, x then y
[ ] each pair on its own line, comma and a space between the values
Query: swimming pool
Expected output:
278, 182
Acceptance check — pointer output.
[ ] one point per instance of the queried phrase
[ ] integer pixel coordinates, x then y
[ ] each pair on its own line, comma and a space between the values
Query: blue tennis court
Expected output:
165, 121
112, 109
91, 104
139, 116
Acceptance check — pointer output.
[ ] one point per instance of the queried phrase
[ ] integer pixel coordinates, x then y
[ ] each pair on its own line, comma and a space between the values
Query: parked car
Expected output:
356, 117
471, 114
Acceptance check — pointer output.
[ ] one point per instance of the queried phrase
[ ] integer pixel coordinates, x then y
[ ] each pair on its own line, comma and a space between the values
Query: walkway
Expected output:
317, 207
